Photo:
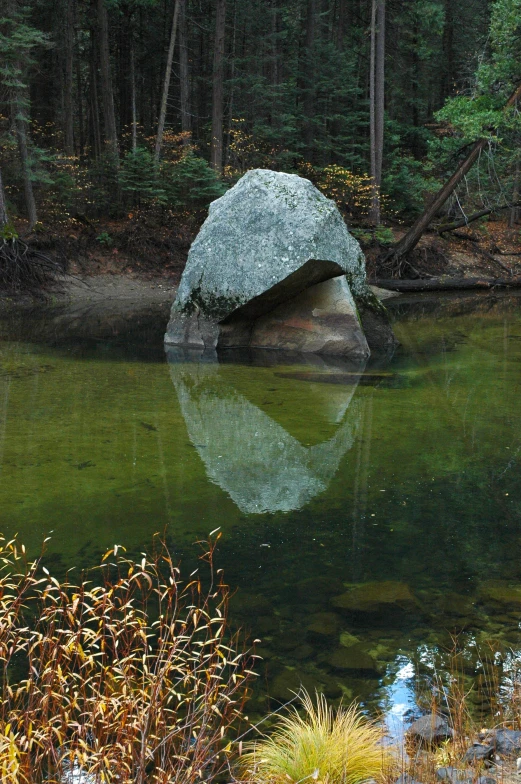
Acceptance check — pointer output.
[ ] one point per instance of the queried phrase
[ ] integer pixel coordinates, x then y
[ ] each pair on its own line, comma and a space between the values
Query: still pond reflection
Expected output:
371, 514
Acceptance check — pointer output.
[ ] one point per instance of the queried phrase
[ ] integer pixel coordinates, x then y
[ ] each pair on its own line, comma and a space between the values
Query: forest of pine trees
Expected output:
116, 105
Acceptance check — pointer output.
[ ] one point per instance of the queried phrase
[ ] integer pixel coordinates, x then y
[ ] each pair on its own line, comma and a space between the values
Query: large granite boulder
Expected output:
274, 266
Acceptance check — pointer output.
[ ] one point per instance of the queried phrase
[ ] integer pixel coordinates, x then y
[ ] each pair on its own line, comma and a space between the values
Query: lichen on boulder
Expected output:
267, 247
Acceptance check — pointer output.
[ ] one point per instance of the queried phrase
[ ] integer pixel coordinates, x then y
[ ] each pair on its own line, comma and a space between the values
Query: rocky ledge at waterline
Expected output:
274, 266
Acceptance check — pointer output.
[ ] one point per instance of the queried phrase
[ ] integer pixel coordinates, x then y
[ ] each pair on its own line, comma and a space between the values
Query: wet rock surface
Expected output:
321, 320
505, 742
430, 730
478, 752
406, 778
453, 775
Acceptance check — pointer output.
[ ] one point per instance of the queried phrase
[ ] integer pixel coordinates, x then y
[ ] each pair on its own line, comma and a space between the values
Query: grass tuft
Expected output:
320, 744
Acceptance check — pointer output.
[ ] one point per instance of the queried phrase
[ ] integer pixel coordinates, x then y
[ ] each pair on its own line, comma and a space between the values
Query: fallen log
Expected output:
447, 284
475, 216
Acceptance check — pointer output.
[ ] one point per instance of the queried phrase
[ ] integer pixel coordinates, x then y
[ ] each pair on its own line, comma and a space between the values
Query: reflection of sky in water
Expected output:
400, 698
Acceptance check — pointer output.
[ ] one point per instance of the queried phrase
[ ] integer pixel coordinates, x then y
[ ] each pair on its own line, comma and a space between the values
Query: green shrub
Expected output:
190, 185
138, 178
104, 238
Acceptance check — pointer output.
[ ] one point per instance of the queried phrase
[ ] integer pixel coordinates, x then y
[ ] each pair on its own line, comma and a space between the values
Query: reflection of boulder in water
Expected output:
250, 454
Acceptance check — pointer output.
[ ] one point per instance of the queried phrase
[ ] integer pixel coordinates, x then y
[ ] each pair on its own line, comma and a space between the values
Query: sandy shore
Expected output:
97, 288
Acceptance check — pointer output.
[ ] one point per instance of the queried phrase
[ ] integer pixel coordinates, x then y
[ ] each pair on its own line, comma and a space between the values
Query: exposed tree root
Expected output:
25, 269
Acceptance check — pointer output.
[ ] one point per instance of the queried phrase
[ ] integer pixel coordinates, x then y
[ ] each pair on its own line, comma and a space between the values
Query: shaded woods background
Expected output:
375, 101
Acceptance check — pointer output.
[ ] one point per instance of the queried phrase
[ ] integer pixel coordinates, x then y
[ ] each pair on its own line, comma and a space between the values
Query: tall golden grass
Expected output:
321, 744
125, 676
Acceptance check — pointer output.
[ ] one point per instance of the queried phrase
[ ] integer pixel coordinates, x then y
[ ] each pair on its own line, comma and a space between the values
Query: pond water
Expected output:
371, 516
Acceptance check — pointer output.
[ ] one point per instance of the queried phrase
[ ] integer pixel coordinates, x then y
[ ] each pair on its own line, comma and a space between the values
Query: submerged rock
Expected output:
284, 686
377, 597
430, 730
324, 624
353, 658
500, 592
259, 274
348, 640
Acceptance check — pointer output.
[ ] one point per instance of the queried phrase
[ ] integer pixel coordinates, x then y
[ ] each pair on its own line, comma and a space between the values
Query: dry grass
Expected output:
332, 747
128, 678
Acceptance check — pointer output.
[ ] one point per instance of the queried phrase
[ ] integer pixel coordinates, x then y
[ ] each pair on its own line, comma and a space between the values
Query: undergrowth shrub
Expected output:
126, 675
190, 184
353, 193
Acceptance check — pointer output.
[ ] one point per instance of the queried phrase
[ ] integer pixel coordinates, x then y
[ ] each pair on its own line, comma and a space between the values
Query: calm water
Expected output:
395, 486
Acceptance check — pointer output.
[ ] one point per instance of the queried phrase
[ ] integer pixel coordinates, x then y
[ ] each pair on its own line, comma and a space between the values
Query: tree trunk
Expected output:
308, 81
375, 206
4, 218
514, 212
216, 157
231, 102
95, 131
107, 93
447, 82
81, 127
274, 44
166, 84
68, 96
184, 75
21, 133
412, 237
379, 90
133, 96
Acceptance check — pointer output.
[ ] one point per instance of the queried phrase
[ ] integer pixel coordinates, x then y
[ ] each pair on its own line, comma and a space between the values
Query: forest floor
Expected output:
142, 259
491, 249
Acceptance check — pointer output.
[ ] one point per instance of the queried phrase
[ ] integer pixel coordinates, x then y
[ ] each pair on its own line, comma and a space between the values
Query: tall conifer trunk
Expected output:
23, 147
379, 88
95, 131
377, 101
107, 93
375, 206
166, 84
216, 157
4, 218
184, 74
308, 80
68, 87
133, 107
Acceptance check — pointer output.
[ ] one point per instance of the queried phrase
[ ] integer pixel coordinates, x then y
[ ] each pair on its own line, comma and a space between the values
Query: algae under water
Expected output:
369, 514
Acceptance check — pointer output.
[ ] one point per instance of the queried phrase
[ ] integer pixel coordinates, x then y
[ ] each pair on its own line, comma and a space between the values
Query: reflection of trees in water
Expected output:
363, 462
247, 453
414, 307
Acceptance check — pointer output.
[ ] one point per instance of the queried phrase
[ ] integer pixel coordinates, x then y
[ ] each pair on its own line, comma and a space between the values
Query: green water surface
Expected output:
322, 476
